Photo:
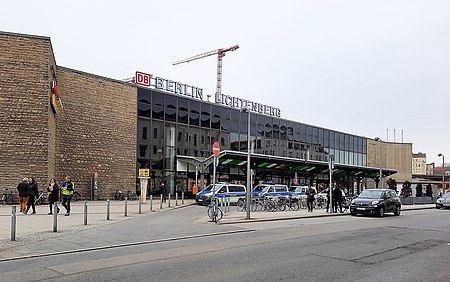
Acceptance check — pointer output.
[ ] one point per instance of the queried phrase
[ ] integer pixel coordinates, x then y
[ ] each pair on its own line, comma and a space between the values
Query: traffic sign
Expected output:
216, 149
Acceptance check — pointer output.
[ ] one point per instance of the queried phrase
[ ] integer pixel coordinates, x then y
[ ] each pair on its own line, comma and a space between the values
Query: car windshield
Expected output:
260, 188
298, 189
371, 194
210, 186
446, 196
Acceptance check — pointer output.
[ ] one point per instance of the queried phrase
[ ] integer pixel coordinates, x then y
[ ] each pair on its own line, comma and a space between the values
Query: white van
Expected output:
233, 191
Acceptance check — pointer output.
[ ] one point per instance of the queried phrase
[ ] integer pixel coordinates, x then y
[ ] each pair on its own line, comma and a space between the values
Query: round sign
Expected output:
216, 148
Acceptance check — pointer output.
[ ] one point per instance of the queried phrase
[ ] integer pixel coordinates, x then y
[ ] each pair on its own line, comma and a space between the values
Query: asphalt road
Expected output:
411, 247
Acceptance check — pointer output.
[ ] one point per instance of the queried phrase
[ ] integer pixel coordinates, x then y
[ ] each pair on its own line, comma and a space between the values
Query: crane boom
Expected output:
220, 54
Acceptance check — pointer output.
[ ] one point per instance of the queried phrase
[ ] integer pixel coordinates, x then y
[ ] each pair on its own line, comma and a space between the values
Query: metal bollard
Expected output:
126, 206
151, 202
221, 203
182, 197
176, 198
228, 204
169, 201
85, 213
140, 205
160, 202
108, 209
13, 223
55, 218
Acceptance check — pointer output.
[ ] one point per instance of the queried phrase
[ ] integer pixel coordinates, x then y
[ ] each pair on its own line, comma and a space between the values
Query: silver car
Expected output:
443, 201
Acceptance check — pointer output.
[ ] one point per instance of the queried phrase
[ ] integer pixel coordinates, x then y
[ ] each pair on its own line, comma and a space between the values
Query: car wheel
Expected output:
381, 212
353, 213
438, 207
397, 210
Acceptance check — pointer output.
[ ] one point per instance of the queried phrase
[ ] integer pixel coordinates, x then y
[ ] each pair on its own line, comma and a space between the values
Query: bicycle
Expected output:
118, 196
131, 195
40, 199
214, 212
7, 197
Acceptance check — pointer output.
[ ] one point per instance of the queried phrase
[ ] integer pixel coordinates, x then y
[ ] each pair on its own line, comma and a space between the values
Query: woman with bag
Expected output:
53, 195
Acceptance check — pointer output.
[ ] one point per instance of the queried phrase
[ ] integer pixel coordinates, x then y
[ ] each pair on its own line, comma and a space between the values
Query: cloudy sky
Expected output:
362, 67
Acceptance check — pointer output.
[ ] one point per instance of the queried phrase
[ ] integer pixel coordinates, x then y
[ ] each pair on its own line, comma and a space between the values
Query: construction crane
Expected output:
220, 54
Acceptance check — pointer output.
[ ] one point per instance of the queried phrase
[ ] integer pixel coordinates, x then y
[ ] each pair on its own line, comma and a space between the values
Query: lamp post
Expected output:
381, 161
443, 172
249, 188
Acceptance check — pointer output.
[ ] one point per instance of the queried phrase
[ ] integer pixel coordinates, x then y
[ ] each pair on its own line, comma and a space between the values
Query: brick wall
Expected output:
97, 132
27, 130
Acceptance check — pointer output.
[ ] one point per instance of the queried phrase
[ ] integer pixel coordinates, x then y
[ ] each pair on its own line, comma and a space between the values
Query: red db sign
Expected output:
143, 78
216, 148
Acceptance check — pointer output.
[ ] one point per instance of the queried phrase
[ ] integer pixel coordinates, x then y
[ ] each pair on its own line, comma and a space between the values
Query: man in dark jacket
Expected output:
32, 192
337, 199
310, 197
23, 194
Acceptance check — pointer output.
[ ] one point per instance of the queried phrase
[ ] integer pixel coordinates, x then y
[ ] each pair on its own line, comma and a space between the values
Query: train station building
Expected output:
57, 121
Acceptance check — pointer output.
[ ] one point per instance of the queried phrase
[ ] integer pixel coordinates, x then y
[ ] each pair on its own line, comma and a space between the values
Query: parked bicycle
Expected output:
118, 196
214, 212
7, 197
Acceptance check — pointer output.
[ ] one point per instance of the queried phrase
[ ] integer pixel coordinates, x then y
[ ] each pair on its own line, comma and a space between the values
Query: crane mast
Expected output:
220, 54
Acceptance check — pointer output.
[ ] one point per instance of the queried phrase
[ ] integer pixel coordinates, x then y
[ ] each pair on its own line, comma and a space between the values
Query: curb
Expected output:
303, 217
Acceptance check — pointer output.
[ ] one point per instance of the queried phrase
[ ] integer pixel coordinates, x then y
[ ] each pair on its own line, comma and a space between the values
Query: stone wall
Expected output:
27, 124
97, 132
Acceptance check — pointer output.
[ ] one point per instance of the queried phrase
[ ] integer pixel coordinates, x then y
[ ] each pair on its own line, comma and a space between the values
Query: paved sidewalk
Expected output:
234, 216
39, 226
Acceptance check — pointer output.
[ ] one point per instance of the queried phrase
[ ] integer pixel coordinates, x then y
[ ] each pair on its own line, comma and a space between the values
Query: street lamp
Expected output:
381, 160
443, 172
249, 188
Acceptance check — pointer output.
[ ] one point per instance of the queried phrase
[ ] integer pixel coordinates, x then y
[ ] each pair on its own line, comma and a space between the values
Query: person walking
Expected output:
337, 199
53, 195
32, 193
310, 197
23, 194
67, 192
328, 199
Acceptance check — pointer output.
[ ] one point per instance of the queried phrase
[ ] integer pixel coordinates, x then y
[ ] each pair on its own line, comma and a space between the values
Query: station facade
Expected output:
56, 121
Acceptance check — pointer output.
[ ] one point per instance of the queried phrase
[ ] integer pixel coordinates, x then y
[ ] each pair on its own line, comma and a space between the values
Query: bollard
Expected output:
108, 209
169, 201
55, 218
176, 198
182, 197
85, 213
13, 223
221, 203
126, 206
160, 202
151, 202
140, 205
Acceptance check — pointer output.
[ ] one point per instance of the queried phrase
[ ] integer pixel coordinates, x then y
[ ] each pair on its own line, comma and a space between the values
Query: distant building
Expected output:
430, 169
419, 163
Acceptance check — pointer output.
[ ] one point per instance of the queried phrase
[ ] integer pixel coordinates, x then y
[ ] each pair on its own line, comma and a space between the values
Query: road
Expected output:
176, 247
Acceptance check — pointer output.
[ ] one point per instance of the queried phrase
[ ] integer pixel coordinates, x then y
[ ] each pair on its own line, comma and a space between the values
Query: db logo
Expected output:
143, 78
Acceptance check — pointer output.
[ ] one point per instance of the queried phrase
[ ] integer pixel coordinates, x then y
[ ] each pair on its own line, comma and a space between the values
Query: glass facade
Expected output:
170, 125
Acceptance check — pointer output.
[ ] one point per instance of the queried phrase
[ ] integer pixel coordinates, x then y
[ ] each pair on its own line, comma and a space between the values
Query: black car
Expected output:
376, 201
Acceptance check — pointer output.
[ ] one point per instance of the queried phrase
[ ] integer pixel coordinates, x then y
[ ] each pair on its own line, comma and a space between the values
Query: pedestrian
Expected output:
32, 193
310, 197
23, 194
163, 191
337, 199
53, 195
67, 191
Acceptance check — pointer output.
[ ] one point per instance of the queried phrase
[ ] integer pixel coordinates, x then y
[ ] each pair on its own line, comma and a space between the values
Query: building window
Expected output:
142, 151
144, 133
155, 132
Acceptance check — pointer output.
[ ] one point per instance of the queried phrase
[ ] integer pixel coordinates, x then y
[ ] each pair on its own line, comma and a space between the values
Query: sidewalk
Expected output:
234, 216
38, 227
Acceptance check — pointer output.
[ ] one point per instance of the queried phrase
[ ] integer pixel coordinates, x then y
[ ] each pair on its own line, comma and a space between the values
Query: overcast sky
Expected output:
362, 67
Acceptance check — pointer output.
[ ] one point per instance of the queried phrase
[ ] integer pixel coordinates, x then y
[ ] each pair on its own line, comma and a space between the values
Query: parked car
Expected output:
234, 191
299, 191
376, 201
270, 189
443, 201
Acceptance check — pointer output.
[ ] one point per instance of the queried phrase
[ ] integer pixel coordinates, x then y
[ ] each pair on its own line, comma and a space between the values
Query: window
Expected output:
142, 151
194, 117
155, 133
215, 117
158, 105
171, 108
144, 110
144, 133
206, 115
183, 110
